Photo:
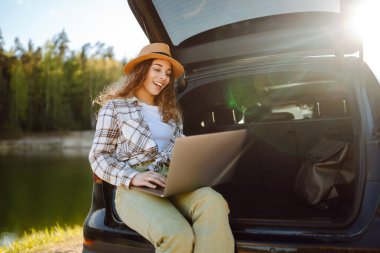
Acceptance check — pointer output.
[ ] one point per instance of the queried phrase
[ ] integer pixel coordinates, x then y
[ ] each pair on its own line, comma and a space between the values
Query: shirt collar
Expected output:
131, 99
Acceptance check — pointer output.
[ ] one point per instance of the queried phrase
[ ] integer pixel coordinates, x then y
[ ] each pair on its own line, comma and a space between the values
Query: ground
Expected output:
73, 245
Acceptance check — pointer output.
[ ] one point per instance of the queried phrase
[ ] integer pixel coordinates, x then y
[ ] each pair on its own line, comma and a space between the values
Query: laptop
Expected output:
199, 161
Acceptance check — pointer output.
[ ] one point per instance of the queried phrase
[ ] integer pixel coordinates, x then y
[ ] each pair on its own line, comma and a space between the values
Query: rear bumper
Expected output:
243, 247
101, 238
103, 247
247, 248
368, 243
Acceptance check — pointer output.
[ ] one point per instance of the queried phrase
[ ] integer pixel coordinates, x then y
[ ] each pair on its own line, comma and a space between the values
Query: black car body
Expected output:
290, 73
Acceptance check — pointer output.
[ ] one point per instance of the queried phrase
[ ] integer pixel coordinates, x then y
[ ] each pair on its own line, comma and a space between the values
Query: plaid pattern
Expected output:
123, 140
163, 168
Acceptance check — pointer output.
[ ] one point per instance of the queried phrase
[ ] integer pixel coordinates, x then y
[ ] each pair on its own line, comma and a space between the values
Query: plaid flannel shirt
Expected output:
123, 140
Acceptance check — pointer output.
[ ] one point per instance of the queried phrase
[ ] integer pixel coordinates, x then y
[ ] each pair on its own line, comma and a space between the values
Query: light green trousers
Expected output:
165, 221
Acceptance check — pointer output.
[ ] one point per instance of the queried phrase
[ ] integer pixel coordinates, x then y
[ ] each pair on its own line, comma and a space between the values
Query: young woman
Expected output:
135, 133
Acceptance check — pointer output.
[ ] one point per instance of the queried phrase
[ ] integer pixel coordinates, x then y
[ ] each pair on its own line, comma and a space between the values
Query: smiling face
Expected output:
157, 78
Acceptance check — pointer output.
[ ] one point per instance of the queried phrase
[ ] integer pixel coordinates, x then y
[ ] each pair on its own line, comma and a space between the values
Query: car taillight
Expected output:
96, 179
87, 242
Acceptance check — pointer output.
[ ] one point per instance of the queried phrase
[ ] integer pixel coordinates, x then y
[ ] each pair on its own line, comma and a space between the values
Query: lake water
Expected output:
43, 190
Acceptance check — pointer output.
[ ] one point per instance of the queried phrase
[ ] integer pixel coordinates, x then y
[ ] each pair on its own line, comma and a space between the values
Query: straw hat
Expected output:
155, 51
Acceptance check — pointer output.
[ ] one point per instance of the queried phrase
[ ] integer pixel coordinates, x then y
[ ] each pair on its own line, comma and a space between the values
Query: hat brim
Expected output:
177, 67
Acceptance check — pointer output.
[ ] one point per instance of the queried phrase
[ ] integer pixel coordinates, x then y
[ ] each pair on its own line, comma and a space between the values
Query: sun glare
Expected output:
364, 22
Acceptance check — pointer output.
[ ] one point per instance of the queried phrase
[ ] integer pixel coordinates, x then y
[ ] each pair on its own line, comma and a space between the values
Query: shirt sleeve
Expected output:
179, 130
102, 155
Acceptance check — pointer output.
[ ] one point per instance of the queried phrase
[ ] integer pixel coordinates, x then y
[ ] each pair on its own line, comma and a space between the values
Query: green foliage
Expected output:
18, 96
51, 87
40, 241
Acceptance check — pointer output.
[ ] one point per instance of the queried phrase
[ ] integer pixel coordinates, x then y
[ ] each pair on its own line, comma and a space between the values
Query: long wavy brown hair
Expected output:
126, 87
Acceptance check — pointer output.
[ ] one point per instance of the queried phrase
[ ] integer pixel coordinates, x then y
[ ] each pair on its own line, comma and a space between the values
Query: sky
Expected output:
84, 21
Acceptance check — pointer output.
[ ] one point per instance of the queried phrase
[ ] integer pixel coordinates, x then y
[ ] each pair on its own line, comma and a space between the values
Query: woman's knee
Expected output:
175, 238
213, 200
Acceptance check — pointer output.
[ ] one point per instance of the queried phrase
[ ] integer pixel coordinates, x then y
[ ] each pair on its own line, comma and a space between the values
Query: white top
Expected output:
161, 132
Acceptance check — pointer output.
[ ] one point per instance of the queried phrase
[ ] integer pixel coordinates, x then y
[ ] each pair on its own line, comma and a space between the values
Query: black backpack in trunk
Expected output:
327, 170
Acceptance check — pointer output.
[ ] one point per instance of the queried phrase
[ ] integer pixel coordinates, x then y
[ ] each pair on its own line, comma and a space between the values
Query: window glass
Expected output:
303, 111
184, 19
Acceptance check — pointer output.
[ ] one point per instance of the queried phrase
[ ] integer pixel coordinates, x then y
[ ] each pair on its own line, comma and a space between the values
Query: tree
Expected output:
19, 48
61, 42
4, 89
51, 87
18, 97
108, 53
2, 42
99, 49
84, 52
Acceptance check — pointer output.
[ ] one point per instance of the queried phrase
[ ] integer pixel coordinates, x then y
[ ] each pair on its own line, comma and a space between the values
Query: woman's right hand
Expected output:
149, 178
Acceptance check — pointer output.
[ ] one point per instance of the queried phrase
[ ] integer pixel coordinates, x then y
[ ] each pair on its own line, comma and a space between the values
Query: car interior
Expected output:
286, 113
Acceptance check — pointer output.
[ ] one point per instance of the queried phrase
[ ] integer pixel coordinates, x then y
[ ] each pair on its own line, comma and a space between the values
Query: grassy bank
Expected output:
55, 239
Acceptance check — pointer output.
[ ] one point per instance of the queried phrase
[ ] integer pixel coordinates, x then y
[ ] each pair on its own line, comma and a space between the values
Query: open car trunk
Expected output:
288, 106
281, 71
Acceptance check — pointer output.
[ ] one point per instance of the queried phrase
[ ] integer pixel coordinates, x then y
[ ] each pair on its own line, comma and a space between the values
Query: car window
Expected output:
301, 111
201, 15
299, 95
